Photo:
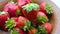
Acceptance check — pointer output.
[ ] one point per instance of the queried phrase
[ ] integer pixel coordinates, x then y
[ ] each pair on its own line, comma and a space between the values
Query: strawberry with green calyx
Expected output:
48, 27
3, 17
30, 10
22, 22
33, 31
46, 8
12, 9
16, 30
31, 6
41, 17
41, 30
23, 2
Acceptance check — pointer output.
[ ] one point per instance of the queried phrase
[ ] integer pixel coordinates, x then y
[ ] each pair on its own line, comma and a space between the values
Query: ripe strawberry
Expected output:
17, 30
30, 10
12, 9
48, 27
22, 22
33, 31
23, 2
46, 8
41, 30
3, 17
41, 17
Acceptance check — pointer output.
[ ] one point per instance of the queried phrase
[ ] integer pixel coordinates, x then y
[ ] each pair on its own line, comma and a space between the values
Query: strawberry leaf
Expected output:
10, 23
42, 19
31, 6
48, 8
27, 25
14, 31
41, 30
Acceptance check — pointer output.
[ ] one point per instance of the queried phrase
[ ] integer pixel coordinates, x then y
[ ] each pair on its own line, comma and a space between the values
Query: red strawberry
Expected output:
30, 10
31, 15
41, 30
40, 18
46, 8
22, 22
38, 14
12, 9
3, 17
48, 27
17, 30
33, 31
23, 2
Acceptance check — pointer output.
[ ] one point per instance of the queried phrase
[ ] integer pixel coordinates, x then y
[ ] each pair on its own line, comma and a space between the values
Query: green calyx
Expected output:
10, 23
1, 13
31, 6
41, 30
14, 31
48, 8
18, 12
27, 25
42, 19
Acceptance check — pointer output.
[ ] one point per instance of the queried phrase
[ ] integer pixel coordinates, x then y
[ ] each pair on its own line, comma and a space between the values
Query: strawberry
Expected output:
16, 30
36, 19
41, 30
12, 9
22, 22
23, 2
30, 10
3, 17
46, 8
48, 27
41, 17
33, 31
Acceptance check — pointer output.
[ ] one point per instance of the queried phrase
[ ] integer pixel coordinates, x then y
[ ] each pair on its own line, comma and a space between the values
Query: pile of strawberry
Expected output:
26, 17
